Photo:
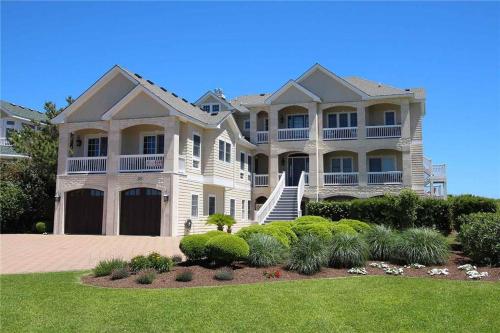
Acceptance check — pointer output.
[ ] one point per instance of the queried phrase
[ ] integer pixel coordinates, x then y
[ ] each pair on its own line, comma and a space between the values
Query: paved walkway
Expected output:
24, 253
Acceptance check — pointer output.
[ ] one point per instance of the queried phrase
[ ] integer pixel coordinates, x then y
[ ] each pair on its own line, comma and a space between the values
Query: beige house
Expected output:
137, 159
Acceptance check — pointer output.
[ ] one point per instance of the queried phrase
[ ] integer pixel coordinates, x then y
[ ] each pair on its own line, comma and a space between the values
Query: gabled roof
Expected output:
375, 89
288, 85
250, 100
21, 112
220, 99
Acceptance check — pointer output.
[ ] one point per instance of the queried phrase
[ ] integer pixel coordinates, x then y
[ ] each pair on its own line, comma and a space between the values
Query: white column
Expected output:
273, 169
361, 113
406, 168
362, 168
405, 119
253, 126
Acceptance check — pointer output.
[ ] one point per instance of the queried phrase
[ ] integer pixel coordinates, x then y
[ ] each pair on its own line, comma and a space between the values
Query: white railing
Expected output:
345, 133
439, 171
5, 142
384, 131
340, 178
132, 163
300, 190
268, 206
290, 134
427, 165
260, 180
387, 177
182, 164
262, 136
86, 164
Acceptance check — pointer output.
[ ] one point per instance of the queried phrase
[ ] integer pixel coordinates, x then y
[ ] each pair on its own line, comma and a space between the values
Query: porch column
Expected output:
313, 171
253, 126
405, 119
273, 124
313, 122
112, 197
406, 168
273, 169
362, 168
59, 206
114, 148
361, 113
171, 164
171, 144
62, 157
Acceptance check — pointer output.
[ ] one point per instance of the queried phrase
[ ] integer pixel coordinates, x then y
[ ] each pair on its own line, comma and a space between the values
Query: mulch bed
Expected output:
243, 274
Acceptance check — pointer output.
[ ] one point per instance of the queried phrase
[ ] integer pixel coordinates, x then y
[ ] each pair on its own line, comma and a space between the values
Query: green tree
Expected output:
33, 178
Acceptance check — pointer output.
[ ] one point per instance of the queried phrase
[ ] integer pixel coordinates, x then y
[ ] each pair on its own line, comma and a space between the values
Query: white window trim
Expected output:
234, 213
230, 152
197, 205
197, 158
338, 118
243, 209
297, 114
208, 203
385, 117
393, 157
86, 143
341, 163
151, 133
211, 105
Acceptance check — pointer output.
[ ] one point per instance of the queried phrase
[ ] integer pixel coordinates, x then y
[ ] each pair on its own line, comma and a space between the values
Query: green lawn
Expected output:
57, 302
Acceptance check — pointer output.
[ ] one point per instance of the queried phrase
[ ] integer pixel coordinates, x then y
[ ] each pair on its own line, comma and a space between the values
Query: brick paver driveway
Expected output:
50, 253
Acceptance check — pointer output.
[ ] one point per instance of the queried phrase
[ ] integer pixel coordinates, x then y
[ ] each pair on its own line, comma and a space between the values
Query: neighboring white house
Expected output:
12, 118
137, 159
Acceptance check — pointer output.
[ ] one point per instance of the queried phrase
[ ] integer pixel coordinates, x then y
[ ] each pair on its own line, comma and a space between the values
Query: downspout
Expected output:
317, 152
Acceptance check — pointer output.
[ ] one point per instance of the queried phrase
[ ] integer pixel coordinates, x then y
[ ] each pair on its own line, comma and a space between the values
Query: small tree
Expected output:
221, 220
406, 205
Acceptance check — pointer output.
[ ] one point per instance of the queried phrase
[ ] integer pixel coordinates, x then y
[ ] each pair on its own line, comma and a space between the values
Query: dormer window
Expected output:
211, 108
206, 108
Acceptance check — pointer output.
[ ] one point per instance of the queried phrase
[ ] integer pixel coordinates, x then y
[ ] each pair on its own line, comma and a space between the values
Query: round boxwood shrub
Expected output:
265, 251
348, 251
311, 219
40, 227
193, 246
214, 233
139, 263
308, 255
322, 231
272, 231
227, 248
480, 237
422, 246
357, 225
381, 242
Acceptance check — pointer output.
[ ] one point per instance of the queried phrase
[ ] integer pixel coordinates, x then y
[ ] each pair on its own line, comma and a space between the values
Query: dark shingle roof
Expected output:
22, 112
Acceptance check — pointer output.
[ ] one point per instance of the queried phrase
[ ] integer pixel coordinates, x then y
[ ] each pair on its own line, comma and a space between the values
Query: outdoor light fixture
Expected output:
188, 224
165, 197
57, 197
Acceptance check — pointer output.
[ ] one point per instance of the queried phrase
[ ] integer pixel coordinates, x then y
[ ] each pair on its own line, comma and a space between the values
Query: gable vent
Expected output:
140, 77
150, 82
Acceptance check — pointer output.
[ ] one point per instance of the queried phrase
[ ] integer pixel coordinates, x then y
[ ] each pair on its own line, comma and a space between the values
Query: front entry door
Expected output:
296, 165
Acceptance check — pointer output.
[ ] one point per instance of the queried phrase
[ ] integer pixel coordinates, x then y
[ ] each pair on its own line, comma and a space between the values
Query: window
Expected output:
97, 146
228, 152
232, 207
153, 144
249, 209
336, 120
298, 121
10, 127
247, 125
196, 150
249, 162
211, 205
390, 117
211, 108
242, 209
194, 205
205, 108
242, 161
215, 108
342, 164
382, 164
266, 124
222, 146
332, 120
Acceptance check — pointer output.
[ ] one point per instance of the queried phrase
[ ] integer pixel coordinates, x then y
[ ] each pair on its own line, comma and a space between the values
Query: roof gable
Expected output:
211, 97
21, 112
292, 92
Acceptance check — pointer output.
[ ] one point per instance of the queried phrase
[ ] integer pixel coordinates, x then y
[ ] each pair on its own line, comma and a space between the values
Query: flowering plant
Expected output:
275, 274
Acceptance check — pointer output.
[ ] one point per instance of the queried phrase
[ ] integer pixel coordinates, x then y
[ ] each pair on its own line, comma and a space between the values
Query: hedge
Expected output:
467, 204
480, 237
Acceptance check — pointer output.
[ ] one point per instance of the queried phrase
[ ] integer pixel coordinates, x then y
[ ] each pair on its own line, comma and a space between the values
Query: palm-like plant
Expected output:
221, 220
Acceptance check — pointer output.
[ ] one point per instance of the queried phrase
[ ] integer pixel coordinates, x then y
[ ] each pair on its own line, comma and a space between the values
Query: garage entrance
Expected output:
140, 212
83, 214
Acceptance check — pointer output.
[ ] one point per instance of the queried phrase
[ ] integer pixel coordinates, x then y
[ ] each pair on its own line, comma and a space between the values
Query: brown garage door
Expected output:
84, 212
140, 212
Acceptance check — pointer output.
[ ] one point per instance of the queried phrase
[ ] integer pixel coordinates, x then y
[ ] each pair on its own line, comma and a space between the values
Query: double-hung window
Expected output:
224, 151
97, 146
232, 208
211, 108
298, 121
228, 152
249, 162
153, 144
249, 209
247, 125
196, 151
211, 205
242, 161
194, 205
206, 107
342, 164
342, 120
242, 209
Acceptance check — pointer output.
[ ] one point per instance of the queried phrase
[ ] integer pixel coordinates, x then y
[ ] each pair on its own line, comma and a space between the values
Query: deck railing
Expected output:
260, 180
5, 142
262, 136
142, 163
268, 206
87, 164
340, 178
300, 190
387, 177
344, 133
439, 171
383, 131
291, 134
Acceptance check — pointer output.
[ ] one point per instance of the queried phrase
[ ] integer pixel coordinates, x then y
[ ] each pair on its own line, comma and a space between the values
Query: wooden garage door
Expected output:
84, 212
140, 212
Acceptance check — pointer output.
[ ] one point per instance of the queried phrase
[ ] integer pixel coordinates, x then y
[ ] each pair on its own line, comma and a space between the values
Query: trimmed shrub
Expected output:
308, 255
227, 248
342, 229
40, 227
423, 246
279, 233
160, 263
221, 220
214, 233
404, 208
285, 228
139, 263
359, 226
333, 210
348, 251
480, 237
265, 251
146, 276
119, 273
322, 231
185, 275
468, 204
105, 267
193, 246
381, 242
372, 210
311, 219
434, 213
224, 274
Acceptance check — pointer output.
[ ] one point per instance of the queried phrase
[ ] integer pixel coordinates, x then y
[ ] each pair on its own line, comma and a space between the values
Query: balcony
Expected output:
141, 163
260, 180
87, 164
293, 134
345, 133
383, 131
340, 178
262, 137
385, 178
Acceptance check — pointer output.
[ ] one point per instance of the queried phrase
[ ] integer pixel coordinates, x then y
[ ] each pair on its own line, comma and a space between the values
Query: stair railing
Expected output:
300, 192
268, 206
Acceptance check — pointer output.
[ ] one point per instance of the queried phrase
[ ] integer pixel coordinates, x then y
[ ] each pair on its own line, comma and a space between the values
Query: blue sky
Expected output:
51, 50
